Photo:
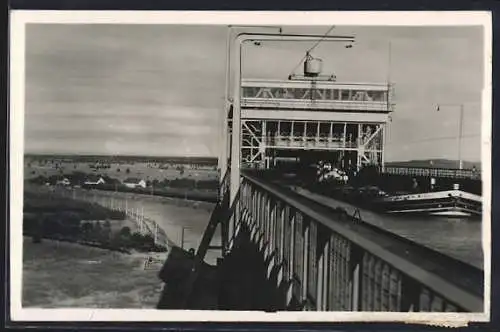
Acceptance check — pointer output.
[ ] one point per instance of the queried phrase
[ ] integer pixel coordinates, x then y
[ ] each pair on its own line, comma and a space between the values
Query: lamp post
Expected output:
236, 102
223, 153
460, 130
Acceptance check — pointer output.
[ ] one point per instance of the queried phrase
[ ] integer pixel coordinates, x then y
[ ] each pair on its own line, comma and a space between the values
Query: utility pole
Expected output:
460, 130
182, 237
156, 234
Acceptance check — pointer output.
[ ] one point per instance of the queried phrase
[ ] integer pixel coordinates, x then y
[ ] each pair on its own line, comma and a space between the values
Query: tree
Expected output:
107, 231
125, 231
38, 230
87, 229
97, 231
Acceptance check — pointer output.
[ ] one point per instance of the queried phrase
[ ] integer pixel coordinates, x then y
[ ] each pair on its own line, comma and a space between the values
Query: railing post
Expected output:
410, 295
356, 274
305, 261
326, 273
224, 228
322, 250
267, 224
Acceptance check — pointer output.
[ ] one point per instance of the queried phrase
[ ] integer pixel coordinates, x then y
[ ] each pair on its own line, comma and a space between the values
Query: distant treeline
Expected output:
189, 194
66, 208
79, 178
208, 161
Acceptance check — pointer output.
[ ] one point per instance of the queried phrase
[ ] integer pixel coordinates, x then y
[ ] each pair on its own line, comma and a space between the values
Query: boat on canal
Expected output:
449, 201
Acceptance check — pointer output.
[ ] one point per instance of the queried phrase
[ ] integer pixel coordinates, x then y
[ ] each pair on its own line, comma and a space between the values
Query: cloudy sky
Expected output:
158, 89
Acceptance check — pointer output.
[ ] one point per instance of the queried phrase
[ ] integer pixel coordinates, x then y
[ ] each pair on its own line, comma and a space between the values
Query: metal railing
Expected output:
346, 105
436, 172
328, 266
280, 141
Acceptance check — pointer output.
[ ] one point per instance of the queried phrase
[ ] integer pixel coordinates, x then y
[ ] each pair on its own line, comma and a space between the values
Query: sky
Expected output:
159, 89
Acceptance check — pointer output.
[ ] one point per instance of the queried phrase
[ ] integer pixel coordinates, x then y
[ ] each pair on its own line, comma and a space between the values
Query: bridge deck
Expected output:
454, 271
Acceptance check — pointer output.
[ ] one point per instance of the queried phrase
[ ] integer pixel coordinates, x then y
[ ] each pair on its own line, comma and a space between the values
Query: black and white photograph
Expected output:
282, 166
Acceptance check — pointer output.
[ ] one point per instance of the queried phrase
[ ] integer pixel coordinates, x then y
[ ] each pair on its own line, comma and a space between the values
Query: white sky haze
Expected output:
158, 89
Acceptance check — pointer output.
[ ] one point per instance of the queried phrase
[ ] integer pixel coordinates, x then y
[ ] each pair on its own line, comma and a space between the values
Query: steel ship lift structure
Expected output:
310, 116
281, 118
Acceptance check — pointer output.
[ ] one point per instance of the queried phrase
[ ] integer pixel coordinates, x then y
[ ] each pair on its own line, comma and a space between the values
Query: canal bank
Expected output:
67, 275
182, 221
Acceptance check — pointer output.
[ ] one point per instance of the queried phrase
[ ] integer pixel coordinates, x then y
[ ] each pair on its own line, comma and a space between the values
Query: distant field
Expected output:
119, 171
209, 161
64, 275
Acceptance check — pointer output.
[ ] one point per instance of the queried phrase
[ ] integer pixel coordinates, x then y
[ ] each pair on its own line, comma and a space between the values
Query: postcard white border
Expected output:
17, 42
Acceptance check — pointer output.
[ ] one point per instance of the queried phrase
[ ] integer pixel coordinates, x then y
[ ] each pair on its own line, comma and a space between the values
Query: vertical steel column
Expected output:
267, 221
326, 275
410, 295
317, 132
292, 245
305, 266
282, 233
358, 147
264, 143
356, 277
319, 283
344, 137
222, 162
236, 128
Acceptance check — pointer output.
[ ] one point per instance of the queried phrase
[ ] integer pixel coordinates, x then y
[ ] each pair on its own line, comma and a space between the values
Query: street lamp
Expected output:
236, 102
222, 163
460, 129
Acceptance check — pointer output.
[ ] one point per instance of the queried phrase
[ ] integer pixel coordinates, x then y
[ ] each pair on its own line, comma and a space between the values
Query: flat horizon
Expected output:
203, 156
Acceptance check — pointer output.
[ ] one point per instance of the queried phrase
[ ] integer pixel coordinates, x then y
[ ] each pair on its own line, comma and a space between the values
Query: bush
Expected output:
125, 231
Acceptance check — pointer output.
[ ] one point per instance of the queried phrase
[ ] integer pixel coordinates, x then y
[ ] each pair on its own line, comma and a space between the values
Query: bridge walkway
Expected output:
455, 271
285, 251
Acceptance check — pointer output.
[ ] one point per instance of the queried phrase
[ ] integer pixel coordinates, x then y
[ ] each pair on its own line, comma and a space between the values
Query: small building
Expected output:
94, 180
134, 183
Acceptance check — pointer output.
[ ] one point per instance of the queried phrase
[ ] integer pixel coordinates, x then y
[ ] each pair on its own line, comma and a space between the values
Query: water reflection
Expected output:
458, 238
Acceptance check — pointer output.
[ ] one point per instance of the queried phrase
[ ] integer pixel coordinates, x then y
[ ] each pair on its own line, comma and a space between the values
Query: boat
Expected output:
449, 203
443, 202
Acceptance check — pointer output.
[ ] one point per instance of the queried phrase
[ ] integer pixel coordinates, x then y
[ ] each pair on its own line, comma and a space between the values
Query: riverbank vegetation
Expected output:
47, 216
186, 188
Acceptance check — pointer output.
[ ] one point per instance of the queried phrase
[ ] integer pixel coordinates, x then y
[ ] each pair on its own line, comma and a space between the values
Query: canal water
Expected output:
458, 238
183, 221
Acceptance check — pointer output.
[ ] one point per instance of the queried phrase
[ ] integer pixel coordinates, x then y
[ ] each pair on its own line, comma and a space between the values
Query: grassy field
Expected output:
65, 275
